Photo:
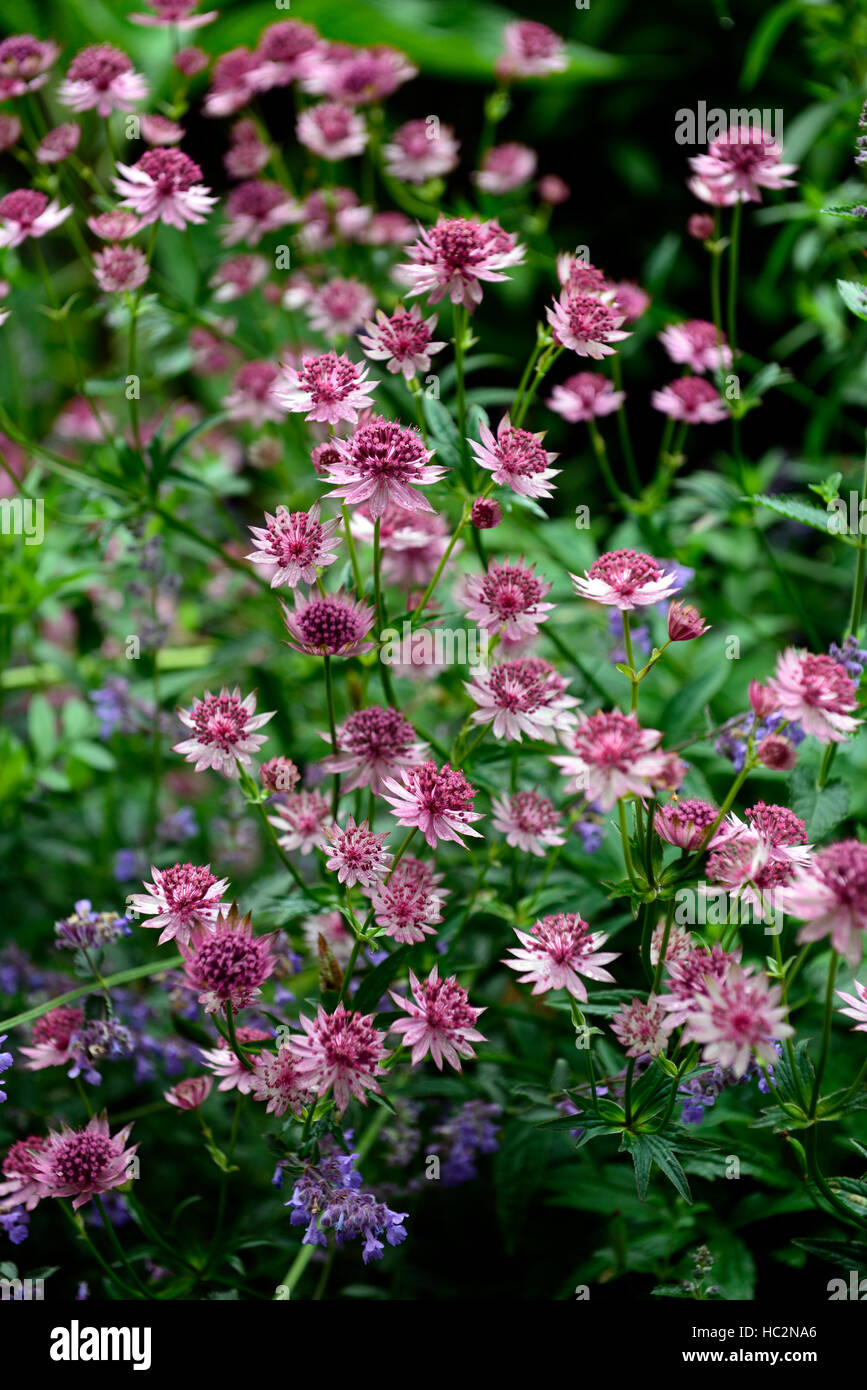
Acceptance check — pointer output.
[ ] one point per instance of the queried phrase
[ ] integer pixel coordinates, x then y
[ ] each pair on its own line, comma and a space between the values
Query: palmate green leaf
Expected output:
803, 512
850, 1254
649, 1149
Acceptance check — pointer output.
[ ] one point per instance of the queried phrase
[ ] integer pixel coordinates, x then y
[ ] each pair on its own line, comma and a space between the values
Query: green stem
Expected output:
826, 1031
332, 725
624, 836
118, 1248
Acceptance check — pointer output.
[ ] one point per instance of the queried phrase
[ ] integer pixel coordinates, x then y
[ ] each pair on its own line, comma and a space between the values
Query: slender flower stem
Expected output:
623, 427
233, 1038
118, 1248
329, 695
735, 238
385, 674
80, 1230
627, 1097
630, 661
605, 469
353, 555
826, 1031
624, 836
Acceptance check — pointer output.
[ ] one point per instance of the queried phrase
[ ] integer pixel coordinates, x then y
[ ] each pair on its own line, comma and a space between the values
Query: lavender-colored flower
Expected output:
6, 1060
90, 930
470, 1130
327, 1196
98, 1041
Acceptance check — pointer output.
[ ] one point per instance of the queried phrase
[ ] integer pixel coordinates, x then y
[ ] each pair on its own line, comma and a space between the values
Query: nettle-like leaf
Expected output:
854, 296
649, 1149
804, 513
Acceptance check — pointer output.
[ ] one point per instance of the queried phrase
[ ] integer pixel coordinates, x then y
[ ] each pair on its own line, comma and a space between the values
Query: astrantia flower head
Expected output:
300, 821
332, 131
455, 256
857, 1009
237, 277
21, 1187
84, 1163
829, 894
528, 821
516, 459
613, 756
557, 951
276, 1081
688, 974
340, 1052
189, 1094
232, 82
403, 340
508, 599
585, 324
532, 50
630, 300
10, 129
506, 167
52, 1035
279, 775
737, 1019
419, 150
641, 1028
373, 744
441, 1020
691, 400
408, 904
685, 623
328, 388
585, 396
174, 14
226, 963
255, 208
282, 52
59, 143
523, 696
252, 397
191, 60
296, 544
27, 212
698, 345
164, 186
24, 64
223, 1062
737, 166
436, 800
339, 307
486, 513
181, 898
329, 625
159, 130
120, 268
815, 692
626, 579
679, 946
383, 462
360, 76
223, 731
102, 77
357, 854
685, 823
114, 226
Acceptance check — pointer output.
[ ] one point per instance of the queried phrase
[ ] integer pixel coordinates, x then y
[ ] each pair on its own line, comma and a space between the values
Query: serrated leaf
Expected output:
802, 512
854, 296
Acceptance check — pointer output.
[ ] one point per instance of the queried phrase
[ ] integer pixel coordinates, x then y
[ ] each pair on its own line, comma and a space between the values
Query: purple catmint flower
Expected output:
468, 1131
328, 1196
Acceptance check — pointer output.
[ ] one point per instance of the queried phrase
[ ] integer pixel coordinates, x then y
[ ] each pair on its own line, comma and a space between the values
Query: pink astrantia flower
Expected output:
630, 300
120, 268
680, 943
408, 905
557, 951
329, 625
277, 1082
232, 82
223, 1062
24, 64
114, 226
383, 462
181, 898
441, 1020
331, 131
282, 53
684, 622
413, 543
554, 190
698, 345
532, 50
830, 896
585, 324
59, 143
296, 544
226, 963
390, 228
403, 340
585, 396
339, 307
224, 731
84, 1163
688, 974
486, 513
333, 929
857, 1010
191, 60
641, 1028
357, 854
342, 1052
579, 276
506, 167
101, 76
10, 128
373, 744
455, 256
247, 154
685, 823
625, 579
738, 1018
508, 599
252, 397
737, 166
189, 1094
691, 400
814, 691
421, 150
164, 186
438, 801
21, 1188
237, 277
612, 756
27, 213
174, 14
528, 821
255, 208
300, 821
52, 1035
279, 775
329, 216
523, 696
159, 130
327, 388
516, 459
359, 76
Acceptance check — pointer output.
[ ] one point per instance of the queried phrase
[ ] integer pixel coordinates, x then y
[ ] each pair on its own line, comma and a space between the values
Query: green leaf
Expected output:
93, 754
846, 210
854, 296
42, 728
647, 1149
374, 985
802, 512
444, 433
519, 1167
820, 810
